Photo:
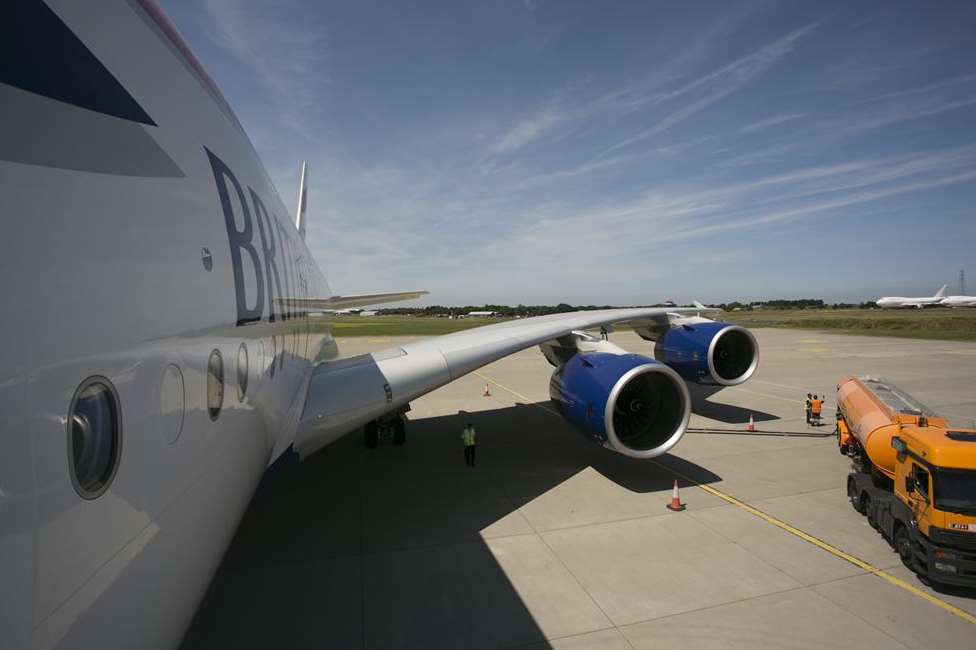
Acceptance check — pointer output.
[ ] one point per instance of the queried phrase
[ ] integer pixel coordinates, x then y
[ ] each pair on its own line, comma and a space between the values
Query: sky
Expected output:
613, 153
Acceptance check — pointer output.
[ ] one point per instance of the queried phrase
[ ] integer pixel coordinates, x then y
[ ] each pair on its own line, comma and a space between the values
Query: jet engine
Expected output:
628, 402
708, 352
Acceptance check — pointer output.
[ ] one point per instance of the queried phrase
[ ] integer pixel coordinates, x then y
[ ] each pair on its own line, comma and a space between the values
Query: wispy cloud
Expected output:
769, 122
597, 184
284, 49
718, 85
530, 129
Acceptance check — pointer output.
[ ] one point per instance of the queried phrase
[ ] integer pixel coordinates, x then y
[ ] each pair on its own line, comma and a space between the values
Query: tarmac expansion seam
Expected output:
830, 548
539, 535
810, 539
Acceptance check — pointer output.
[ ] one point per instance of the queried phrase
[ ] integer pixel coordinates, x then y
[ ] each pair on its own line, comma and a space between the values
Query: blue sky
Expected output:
622, 153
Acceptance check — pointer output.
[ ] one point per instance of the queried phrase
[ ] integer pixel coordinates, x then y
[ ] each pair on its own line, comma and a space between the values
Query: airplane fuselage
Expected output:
959, 301
144, 248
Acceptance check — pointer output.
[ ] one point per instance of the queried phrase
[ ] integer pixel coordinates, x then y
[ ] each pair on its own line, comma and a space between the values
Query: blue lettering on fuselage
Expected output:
275, 246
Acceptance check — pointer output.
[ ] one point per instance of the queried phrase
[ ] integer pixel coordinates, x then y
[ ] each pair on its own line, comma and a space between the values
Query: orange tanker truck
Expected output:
913, 477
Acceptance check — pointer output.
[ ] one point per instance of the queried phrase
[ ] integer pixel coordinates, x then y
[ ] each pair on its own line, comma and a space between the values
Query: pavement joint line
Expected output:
536, 644
756, 392
580, 584
649, 515
833, 550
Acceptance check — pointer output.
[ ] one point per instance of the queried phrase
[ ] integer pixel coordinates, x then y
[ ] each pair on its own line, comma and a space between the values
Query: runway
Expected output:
553, 542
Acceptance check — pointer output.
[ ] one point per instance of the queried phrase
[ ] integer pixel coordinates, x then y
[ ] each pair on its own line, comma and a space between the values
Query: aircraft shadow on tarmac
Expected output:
728, 413
389, 548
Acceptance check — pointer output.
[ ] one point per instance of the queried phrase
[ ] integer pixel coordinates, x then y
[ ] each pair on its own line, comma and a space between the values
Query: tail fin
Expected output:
302, 201
941, 292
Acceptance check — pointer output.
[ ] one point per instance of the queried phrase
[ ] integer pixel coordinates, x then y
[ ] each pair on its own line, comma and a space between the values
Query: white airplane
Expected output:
158, 355
958, 301
896, 302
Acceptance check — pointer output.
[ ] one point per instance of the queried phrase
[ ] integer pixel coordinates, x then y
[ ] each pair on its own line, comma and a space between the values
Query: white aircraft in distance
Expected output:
958, 301
158, 354
896, 302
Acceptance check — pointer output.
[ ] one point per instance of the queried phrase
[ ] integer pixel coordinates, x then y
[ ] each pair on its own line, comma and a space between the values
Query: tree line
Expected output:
525, 311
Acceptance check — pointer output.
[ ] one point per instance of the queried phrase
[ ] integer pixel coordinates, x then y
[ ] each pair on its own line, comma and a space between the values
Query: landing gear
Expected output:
392, 427
399, 431
371, 434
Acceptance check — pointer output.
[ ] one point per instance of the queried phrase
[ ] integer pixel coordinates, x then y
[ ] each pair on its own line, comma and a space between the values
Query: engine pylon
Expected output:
675, 505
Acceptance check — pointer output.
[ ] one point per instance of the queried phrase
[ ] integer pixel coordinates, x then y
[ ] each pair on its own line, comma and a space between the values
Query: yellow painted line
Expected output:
833, 550
810, 539
507, 389
377, 340
814, 349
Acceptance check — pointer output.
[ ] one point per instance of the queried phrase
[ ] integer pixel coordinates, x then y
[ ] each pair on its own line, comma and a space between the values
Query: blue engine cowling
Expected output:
631, 403
709, 352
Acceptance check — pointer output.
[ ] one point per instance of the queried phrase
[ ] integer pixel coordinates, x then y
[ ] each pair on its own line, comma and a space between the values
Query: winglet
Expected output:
941, 292
302, 202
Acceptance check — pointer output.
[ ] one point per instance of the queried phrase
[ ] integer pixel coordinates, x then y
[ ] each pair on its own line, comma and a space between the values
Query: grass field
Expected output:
403, 325
942, 324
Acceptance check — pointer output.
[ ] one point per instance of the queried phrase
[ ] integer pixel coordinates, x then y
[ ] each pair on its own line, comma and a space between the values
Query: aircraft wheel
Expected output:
371, 435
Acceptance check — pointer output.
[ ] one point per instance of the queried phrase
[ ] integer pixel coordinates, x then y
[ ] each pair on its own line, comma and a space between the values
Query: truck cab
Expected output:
913, 476
935, 481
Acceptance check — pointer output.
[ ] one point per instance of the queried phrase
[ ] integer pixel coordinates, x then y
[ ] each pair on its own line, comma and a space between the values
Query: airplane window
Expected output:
94, 436
215, 384
241, 372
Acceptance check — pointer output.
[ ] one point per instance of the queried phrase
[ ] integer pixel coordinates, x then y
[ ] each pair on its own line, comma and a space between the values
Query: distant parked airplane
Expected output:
959, 301
895, 302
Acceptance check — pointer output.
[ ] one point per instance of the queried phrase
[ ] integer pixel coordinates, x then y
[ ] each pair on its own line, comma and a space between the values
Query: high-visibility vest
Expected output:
808, 403
467, 435
815, 406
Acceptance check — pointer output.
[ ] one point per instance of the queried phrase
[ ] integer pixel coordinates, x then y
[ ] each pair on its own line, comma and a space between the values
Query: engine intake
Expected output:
631, 403
709, 352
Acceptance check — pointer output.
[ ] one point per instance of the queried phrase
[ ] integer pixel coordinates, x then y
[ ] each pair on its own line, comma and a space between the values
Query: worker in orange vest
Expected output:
815, 407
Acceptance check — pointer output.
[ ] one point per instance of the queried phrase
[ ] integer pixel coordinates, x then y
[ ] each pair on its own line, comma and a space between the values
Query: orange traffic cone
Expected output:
752, 425
487, 392
675, 505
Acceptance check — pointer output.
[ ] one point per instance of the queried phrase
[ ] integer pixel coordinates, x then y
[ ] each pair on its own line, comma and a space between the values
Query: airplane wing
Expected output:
345, 302
345, 394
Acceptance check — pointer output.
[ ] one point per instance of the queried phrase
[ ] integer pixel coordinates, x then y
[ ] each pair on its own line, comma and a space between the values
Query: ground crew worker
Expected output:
815, 406
809, 400
604, 333
467, 437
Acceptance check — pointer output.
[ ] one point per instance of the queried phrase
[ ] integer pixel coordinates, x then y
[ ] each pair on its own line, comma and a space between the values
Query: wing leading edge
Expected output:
346, 394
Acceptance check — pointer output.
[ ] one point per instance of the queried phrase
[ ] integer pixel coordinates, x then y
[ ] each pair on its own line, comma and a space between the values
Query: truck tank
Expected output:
874, 410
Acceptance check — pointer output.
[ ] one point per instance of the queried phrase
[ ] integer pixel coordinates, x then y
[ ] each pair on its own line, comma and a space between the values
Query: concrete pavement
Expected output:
552, 542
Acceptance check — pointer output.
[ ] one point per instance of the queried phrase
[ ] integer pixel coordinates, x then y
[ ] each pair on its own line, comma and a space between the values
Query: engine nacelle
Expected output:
628, 402
709, 352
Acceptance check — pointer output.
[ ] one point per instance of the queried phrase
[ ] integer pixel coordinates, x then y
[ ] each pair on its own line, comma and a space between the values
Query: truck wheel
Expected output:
903, 544
858, 501
864, 504
399, 431
371, 435
872, 512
